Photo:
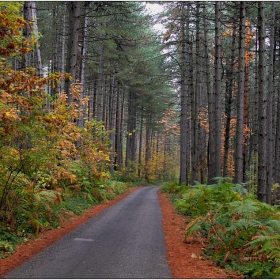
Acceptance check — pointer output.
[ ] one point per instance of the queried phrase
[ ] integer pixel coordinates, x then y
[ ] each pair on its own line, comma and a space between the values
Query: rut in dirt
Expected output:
124, 241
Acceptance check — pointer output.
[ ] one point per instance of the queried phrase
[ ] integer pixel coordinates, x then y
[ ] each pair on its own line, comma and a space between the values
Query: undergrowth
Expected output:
239, 232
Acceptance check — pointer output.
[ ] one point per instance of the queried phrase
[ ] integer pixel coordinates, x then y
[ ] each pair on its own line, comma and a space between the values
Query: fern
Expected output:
274, 225
243, 224
194, 226
246, 208
269, 244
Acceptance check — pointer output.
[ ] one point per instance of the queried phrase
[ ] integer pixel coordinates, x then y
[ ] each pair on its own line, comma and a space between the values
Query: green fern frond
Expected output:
246, 208
194, 226
240, 189
265, 210
243, 224
222, 180
275, 224
270, 246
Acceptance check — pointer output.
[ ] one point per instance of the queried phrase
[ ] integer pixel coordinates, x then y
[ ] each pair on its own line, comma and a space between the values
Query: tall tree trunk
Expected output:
99, 96
199, 101
253, 151
184, 96
209, 95
84, 54
277, 142
63, 44
245, 155
148, 149
32, 29
112, 121
193, 107
228, 97
194, 91
55, 55
270, 108
240, 98
119, 129
215, 105
72, 50
140, 144
131, 129
262, 137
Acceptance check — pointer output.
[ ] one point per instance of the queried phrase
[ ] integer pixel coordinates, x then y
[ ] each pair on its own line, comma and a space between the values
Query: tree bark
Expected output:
140, 144
130, 133
270, 108
119, 129
112, 121
229, 97
215, 104
87, 6
63, 45
148, 148
262, 136
32, 29
240, 98
184, 96
72, 50
277, 143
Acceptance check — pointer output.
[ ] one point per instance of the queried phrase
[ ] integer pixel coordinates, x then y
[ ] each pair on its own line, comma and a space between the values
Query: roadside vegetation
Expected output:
50, 168
238, 232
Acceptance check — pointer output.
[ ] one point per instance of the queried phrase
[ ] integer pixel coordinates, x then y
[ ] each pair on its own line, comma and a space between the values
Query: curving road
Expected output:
124, 241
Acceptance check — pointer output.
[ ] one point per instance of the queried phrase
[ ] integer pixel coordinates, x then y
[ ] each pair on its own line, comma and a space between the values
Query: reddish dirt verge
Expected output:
184, 259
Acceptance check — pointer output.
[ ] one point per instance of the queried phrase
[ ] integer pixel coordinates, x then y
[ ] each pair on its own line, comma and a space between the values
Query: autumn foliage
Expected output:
47, 161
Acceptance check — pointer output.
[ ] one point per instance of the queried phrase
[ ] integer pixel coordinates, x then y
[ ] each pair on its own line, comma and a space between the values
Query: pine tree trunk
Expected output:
148, 150
277, 143
56, 41
112, 121
63, 45
253, 151
184, 96
245, 156
262, 137
229, 99
131, 129
270, 107
36, 36
201, 100
140, 144
119, 129
32, 29
240, 98
209, 96
84, 54
72, 50
215, 104
99, 96
192, 92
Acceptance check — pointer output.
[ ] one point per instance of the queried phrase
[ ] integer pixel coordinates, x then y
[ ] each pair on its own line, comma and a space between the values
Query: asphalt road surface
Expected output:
124, 241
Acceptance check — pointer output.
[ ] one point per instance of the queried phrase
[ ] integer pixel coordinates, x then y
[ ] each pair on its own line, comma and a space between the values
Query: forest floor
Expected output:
185, 259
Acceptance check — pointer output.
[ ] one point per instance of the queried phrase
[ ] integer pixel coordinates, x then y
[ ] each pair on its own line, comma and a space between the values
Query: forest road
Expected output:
124, 241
